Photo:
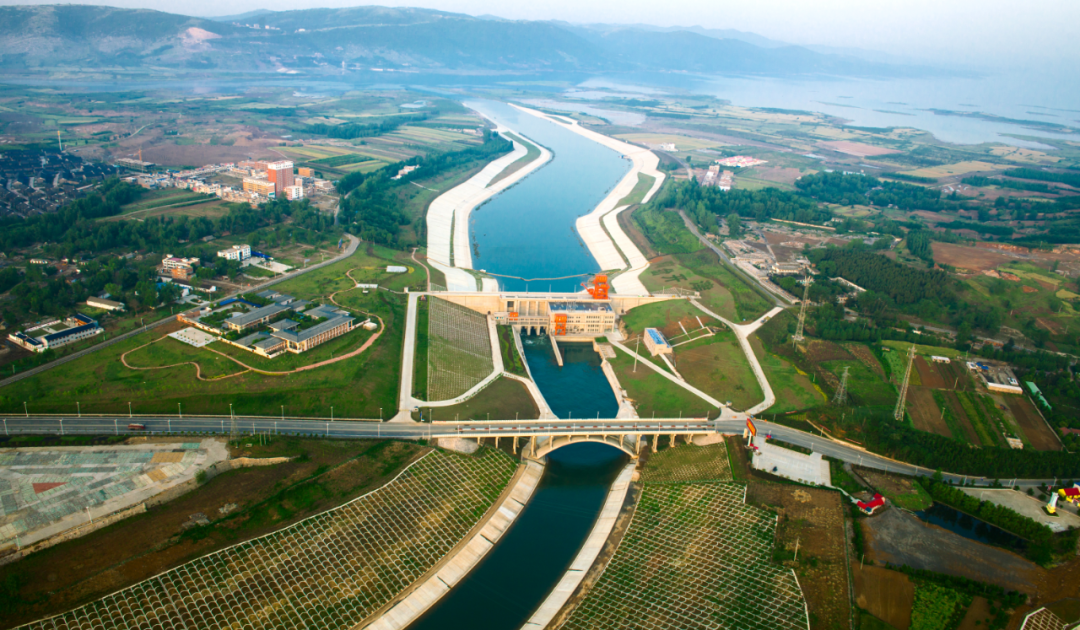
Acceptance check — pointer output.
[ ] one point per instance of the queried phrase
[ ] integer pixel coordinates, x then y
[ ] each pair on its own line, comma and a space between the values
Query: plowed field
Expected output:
925, 413
1031, 423
885, 594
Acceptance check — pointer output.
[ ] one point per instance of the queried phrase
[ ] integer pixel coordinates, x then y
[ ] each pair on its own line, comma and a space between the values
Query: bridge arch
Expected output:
625, 443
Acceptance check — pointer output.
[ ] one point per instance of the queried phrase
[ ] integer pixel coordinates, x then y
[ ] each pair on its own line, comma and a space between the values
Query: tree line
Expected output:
352, 131
850, 190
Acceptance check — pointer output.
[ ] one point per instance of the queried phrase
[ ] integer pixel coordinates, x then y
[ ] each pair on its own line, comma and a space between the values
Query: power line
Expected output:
802, 311
841, 393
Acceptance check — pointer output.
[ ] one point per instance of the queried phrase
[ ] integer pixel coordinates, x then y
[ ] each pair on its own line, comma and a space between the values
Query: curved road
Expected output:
353, 244
326, 427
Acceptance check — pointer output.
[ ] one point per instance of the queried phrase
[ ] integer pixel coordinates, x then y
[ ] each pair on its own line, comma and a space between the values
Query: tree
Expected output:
734, 225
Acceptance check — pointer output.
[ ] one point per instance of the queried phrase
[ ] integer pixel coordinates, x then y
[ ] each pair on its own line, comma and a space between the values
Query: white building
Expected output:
236, 252
292, 193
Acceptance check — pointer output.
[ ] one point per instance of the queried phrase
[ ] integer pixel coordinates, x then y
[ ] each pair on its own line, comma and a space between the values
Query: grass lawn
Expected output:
902, 347
512, 361
718, 367
503, 399
793, 388
665, 316
864, 386
644, 183
748, 303
655, 396
670, 273
357, 387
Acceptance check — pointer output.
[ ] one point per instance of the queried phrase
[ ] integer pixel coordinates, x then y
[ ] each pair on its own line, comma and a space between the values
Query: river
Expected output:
528, 230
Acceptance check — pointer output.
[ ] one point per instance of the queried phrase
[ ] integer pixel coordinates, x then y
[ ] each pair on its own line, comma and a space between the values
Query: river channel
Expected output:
528, 231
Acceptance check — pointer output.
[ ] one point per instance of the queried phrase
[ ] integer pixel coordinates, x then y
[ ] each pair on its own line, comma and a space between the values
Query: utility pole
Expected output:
841, 393
232, 425
898, 413
802, 311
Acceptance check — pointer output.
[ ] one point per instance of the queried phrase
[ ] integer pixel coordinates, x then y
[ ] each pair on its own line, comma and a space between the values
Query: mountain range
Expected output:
332, 41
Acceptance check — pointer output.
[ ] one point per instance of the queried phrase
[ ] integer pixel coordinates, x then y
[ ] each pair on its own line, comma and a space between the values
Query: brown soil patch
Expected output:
928, 374
962, 417
1027, 289
866, 356
972, 258
813, 518
858, 149
978, 615
885, 594
778, 174
1053, 327
819, 351
925, 413
1042, 438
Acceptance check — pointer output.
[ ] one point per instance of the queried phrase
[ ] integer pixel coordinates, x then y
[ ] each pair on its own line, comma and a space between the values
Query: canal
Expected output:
528, 231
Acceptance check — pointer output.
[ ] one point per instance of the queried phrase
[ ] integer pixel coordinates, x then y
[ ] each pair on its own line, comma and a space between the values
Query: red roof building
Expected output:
871, 506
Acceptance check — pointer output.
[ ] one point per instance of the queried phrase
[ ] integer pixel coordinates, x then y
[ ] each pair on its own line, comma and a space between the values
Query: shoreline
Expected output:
609, 251
448, 246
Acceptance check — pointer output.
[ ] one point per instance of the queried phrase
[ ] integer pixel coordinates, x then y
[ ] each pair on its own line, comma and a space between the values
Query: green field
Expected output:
341, 160
654, 395
793, 388
865, 388
503, 399
644, 183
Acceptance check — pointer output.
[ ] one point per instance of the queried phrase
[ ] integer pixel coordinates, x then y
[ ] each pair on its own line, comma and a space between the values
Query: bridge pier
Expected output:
513, 445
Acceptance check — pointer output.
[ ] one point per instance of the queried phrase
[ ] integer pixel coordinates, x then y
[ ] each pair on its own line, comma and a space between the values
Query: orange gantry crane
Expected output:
599, 288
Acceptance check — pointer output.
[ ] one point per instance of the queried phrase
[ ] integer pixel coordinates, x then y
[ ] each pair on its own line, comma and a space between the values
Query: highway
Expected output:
353, 243
325, 427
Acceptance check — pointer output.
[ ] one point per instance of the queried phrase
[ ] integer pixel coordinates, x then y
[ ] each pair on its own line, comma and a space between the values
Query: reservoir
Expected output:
528, 230
970, 527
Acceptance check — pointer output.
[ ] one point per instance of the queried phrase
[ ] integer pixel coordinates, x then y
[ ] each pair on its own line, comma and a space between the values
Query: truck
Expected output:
136, 427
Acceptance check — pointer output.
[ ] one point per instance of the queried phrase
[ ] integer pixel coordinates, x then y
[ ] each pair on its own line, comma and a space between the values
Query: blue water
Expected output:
503, 591
528, 230
579, 388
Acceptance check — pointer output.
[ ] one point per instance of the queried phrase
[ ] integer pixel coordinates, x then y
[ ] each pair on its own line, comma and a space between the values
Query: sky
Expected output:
971, 32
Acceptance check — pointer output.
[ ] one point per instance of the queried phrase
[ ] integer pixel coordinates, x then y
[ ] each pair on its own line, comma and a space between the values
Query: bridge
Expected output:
547, 435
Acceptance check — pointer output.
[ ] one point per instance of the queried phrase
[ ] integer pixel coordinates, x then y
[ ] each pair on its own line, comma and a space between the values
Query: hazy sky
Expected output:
966, 31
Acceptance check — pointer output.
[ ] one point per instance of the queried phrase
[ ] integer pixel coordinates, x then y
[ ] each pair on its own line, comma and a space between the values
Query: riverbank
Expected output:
410, 606
600, 229
588, 554
448, 244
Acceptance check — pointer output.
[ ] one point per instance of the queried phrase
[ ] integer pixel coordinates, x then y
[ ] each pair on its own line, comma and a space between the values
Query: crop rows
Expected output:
329, 571
694, 557
459, 349
687, 464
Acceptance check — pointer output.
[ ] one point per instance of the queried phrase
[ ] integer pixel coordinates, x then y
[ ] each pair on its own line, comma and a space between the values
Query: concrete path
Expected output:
585, 558
742, 333
465, 560
448, 215
591, 226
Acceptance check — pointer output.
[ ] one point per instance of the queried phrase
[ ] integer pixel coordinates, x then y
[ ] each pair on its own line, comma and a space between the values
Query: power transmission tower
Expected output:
898, 414
841, 393
802, 311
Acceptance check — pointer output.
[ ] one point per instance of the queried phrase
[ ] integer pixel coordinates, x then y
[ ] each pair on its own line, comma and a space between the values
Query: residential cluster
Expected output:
37, 182
56, 333
714, 177
281, 323
740, 161
260, 180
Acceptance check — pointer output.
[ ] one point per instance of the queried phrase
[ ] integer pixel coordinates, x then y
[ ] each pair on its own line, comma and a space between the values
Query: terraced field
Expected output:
695, 556
329, 571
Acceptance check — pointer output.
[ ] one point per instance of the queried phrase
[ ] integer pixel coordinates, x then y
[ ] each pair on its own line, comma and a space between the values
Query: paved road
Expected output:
353, 243
325, 427
724, 257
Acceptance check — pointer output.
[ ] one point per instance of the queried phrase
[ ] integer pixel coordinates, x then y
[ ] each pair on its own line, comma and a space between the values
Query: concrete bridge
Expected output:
534, 446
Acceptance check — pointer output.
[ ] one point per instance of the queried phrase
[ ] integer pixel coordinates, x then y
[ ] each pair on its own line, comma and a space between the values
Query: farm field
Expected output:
341, 566
813, 519
458, 349
687, 464
886, 594
959, 168
1032, 425
694, 557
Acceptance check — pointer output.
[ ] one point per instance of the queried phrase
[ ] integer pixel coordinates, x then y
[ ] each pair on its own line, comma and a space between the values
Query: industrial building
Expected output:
104, 304
656, 342
135, 165
79, 327
236, 252
997, 378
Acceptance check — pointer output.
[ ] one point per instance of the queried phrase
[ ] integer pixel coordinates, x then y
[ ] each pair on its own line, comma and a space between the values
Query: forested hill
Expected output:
358, 39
